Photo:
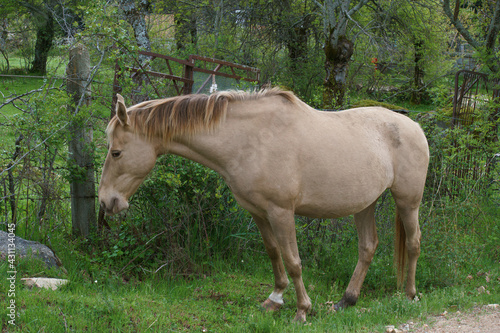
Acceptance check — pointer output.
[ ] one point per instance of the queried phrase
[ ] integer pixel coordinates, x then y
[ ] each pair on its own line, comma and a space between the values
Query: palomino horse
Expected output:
280, 157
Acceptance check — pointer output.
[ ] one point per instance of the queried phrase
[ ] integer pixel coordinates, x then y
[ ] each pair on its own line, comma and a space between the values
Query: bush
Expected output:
181, 220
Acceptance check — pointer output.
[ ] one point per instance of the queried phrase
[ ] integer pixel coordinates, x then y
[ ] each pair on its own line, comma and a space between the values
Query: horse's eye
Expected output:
116, 153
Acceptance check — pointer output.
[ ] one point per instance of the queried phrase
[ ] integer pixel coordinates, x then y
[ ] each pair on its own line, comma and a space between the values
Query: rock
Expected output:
493, 306
25, 248
47, 283
390, 328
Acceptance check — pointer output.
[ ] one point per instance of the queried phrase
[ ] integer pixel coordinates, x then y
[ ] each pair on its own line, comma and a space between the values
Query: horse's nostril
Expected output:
113, 204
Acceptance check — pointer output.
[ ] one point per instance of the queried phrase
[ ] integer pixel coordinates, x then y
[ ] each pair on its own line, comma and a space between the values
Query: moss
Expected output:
370, 102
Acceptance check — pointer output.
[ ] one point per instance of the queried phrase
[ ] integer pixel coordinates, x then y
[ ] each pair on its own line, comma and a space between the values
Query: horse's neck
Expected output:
247, 127
208, 149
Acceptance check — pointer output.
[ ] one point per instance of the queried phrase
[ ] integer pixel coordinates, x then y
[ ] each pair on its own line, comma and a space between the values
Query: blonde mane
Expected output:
188, 114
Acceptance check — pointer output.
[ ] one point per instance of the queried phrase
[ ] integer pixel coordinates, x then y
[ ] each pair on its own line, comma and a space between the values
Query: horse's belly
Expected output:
342, 190
337, 203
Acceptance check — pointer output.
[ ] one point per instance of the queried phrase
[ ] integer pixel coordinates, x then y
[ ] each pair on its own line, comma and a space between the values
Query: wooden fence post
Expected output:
82, 184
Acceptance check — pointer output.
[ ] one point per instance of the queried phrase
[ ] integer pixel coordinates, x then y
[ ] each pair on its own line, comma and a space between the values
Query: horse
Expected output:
281, 158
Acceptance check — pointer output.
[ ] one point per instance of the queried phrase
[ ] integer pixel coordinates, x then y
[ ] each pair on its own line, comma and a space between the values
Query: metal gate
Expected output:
168, 76
475, 96
472, 91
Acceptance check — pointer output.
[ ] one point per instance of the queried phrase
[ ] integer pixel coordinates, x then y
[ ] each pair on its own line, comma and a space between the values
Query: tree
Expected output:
43, 20
49, 17
338, 47
134, 12
483, 34
185, 25
44, 40
412, 35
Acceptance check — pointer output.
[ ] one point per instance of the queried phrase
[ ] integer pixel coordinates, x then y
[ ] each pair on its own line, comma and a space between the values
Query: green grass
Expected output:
227, 299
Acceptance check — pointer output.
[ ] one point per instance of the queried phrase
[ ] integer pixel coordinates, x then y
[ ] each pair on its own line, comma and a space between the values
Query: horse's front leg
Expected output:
282, 222
275, 300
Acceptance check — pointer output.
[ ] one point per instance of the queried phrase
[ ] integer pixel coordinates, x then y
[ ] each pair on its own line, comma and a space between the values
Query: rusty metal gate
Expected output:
475, 96
472, 91
168, 76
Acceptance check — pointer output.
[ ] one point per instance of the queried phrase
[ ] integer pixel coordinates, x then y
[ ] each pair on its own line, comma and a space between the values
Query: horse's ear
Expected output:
121, 110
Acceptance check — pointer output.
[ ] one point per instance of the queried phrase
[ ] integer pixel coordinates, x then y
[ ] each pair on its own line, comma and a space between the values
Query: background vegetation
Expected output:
186, 256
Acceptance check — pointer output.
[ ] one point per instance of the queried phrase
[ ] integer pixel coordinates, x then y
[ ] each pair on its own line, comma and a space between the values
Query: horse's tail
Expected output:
400, 253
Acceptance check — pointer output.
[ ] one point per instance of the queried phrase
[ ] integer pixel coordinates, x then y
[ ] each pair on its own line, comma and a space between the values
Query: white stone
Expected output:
47, 283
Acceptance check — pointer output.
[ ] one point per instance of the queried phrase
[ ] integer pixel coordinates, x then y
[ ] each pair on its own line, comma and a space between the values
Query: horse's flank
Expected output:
188, 115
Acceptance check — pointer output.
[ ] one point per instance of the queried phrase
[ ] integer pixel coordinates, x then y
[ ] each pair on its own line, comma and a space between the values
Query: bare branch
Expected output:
357, 7
459, 26
494, 28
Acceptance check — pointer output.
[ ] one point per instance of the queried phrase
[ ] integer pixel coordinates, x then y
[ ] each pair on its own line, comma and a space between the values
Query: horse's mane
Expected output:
189, 114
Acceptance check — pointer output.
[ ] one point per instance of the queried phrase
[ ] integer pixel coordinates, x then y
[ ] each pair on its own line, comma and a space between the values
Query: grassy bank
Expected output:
459, 257
226, 300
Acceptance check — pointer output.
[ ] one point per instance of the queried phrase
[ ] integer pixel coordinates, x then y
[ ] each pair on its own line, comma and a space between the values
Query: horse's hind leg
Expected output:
409, 218
275, 300
368, 241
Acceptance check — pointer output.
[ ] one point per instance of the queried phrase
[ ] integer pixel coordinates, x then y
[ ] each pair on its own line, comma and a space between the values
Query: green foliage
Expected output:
412, 55
182, 218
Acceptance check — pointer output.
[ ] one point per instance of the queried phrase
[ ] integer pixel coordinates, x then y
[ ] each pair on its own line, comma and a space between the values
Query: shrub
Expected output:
181, 220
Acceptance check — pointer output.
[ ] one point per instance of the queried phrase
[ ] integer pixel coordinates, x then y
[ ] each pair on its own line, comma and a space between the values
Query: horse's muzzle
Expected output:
114, 206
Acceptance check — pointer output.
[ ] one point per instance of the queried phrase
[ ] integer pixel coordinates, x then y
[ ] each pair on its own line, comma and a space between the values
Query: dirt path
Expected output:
484, 319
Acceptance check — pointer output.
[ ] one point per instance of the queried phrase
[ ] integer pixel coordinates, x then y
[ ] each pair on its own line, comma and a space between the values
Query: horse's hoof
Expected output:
338, 306
300, 317
342, 304
271, 306
346, 301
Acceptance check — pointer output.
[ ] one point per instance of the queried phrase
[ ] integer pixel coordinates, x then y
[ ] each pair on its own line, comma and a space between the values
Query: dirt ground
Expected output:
484, 319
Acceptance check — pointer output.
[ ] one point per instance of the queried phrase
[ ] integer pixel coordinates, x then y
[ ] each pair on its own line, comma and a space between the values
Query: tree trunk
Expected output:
44, 39
297, 41
185, 29
337, 55
82, 185
45, 184
418, 75
4, 34
12, 185
338, 49
135, 17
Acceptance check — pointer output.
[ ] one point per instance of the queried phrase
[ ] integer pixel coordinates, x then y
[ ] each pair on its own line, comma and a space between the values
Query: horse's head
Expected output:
130, 158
